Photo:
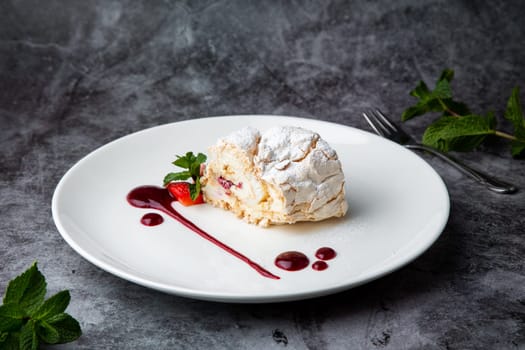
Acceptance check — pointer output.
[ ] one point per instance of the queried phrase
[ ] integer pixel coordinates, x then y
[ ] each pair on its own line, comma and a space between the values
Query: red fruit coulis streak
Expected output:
153, 197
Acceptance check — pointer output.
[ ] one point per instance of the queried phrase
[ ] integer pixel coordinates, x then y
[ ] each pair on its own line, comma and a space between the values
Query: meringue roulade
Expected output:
281, 176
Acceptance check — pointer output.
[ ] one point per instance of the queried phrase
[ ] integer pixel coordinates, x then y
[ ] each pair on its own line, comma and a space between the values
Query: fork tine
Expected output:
385, 119
372, 124
376, 124
397, 132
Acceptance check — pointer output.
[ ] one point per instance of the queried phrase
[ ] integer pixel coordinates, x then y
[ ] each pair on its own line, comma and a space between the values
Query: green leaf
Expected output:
195, 170
442, 90
193, 165
518, 148
68, 328
55, 305
201, 158
447, 74
28, 336
11, 341
47, 332
457, 133
182, 162
25, 316
415, 111
195, 188
458, 108
11, 317
451, 132
183, 175
422, 107
491, 120
431, 101
28, 290
421, 91
514, 113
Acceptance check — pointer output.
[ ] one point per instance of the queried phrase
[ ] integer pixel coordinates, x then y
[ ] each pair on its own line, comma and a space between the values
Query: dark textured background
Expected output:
77, 74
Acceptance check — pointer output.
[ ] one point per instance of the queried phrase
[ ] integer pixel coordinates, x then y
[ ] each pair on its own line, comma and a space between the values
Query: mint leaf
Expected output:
426, 104
67, 327
447, 74
442, 90
183, 175
414, 111
518, 148
28, 337
11, 341
11, 317
52, 306
454, 108
436, 100
458, 128
194, 190
192, 164
201, 158
514, 114
26, 317
47, 332
421, 91
458, 133
182, 162
27, 290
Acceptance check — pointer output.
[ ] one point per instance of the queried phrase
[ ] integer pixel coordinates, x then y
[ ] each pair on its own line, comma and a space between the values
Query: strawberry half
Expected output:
181, 192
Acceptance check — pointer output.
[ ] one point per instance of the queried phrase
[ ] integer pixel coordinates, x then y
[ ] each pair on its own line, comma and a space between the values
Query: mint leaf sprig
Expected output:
27, 319
192, 164
458, 129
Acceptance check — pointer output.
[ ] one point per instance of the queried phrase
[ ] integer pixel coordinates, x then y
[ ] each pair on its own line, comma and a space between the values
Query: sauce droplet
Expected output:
291, 261
319, 265
325, 253
153, 197
152, 219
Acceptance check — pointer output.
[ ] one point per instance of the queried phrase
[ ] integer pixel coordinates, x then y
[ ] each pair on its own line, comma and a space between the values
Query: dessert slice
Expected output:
284, 175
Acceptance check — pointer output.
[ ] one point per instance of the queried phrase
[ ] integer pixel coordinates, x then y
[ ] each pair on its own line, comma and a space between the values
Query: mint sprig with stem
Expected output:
192, 164
457, 128
28, 319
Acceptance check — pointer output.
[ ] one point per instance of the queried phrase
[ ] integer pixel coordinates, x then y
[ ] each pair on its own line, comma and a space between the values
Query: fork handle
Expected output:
490, 182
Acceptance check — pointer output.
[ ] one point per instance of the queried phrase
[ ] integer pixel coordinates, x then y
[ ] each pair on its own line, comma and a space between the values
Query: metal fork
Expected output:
386, 128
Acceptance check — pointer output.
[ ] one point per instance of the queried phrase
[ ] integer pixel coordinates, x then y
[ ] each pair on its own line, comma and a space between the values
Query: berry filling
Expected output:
227, 184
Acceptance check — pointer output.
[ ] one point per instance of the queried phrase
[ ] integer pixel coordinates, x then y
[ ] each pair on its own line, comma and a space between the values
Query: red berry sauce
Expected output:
319, 265
152, 197
292, 261
159, 198
152, 219
325, 253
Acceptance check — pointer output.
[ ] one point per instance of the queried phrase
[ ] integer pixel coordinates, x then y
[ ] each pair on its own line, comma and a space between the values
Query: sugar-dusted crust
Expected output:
285, 175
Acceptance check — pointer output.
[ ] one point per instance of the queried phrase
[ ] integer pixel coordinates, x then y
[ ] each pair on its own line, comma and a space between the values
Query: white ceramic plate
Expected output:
398, 208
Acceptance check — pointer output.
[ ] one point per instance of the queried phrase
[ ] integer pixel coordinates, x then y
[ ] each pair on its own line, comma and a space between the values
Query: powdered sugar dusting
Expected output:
246, 139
